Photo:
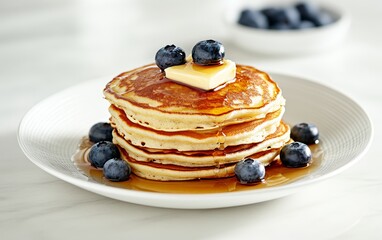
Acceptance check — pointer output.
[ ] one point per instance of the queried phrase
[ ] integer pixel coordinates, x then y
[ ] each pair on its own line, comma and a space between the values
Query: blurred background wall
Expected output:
96, 33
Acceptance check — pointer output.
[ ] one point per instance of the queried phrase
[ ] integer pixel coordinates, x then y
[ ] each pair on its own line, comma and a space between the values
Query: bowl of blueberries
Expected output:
287, 27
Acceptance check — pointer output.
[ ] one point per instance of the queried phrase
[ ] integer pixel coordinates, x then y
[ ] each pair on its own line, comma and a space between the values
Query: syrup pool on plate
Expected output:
276, 175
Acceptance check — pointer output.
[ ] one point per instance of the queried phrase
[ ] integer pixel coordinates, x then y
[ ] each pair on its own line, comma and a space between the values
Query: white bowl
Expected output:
287, 42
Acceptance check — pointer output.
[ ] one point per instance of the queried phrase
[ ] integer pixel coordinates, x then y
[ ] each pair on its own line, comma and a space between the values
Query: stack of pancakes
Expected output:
168, 131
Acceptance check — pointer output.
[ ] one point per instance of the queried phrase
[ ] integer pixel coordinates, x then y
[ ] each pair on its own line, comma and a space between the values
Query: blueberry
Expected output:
208, 52
116, 170
295, 155
305, 132
170, 55
305, 24
277, 16
322, 19
307, 10
252, 18
249, 171
280, 26
271, 13
100, 132
290, 16
101, 152
311, 12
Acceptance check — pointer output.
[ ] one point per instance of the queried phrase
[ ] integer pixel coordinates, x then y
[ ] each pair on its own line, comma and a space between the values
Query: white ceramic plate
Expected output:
50, 133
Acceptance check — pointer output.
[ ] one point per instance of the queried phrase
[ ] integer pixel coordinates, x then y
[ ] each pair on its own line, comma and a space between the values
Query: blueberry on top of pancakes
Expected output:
170, 55
208, 52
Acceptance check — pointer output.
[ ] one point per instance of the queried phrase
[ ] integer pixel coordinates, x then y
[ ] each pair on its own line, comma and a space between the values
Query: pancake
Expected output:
236, 134
172, 132
201, 158
167, 172
149, 99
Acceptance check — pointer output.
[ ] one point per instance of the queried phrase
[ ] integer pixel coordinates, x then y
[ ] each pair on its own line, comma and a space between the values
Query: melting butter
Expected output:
204, 77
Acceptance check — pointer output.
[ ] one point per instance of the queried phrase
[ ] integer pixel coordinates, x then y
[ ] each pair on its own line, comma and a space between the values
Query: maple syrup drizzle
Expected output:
276, 175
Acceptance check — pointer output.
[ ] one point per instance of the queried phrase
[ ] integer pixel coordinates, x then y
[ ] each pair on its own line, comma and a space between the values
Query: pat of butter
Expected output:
204, 77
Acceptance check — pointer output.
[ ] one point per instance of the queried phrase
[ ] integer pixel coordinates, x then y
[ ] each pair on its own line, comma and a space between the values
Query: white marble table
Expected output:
46, 46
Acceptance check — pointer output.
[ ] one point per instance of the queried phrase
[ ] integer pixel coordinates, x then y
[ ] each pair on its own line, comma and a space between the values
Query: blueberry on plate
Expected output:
116, 170
101, 152
208, 52
253, 18
170, 55
249, 171
305, 132
101, 132
295, 155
